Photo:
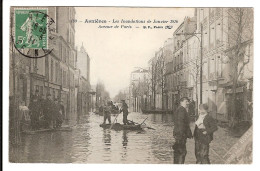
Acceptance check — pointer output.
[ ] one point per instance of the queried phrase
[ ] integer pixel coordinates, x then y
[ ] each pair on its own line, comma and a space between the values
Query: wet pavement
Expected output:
89, 143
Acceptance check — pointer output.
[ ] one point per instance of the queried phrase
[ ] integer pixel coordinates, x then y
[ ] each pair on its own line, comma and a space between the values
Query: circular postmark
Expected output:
32, 32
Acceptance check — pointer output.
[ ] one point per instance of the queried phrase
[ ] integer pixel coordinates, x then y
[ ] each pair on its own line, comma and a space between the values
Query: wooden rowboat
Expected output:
118, 126
64, 129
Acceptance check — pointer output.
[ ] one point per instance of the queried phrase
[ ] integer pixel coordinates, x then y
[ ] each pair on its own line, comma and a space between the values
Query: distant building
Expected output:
168, 56
83, 62
139, 88
83, 95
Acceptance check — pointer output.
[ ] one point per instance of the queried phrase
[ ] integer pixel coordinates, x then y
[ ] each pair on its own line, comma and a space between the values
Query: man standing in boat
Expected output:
124, 109
181, 131
107, 113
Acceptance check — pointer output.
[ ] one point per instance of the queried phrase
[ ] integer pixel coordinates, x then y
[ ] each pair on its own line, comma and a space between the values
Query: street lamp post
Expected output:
201, 60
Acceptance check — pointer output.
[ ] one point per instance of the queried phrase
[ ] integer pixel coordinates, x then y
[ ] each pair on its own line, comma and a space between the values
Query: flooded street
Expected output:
89, 143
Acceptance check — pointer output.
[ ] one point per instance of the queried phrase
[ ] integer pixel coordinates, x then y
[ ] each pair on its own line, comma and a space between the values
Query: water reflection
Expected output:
124, 143
89, 143
125, 139
107, 137
162, 118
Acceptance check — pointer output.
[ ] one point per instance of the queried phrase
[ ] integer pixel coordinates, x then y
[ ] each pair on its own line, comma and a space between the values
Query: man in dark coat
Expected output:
37, 94
205, 126
107, 113
34, 108
125, 112
57, 116
48, 111
181, 131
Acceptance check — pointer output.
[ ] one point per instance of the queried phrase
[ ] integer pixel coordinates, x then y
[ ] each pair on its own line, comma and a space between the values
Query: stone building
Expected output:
220, 44
55, 73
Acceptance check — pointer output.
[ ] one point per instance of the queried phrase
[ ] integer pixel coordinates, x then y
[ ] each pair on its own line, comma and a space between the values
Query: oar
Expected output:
143, 121
141, 124
149, 127
114, 121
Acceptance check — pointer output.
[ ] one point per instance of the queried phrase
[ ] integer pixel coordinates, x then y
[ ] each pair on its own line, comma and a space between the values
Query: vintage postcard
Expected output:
131, 85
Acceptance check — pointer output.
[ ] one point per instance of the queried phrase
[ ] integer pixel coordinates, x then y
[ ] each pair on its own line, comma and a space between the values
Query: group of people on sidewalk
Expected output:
45, 113
107, 112
205, 126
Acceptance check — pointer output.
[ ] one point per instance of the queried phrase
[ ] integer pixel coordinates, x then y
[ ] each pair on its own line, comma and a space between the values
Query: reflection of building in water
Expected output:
125, 139
107, 138
124, 142
162, 118
107, 155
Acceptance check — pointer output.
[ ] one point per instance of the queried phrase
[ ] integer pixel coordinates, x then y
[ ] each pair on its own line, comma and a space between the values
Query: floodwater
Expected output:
89, 143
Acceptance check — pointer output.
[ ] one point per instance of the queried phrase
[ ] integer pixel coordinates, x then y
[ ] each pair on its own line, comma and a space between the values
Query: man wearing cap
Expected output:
107, 113
205, 126
37, 94
124, 109
48, 111
181, 131
34, 108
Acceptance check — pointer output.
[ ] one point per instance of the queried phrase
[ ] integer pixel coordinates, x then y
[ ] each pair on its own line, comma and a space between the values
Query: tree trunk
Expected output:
233, 118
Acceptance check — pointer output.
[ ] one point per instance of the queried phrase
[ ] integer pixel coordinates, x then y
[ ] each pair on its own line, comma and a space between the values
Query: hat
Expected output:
184, 98
204, 107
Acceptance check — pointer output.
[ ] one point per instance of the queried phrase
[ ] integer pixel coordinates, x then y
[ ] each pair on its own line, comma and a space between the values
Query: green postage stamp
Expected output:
30, 28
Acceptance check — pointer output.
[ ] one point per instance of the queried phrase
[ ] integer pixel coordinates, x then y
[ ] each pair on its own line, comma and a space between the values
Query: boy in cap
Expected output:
205, 126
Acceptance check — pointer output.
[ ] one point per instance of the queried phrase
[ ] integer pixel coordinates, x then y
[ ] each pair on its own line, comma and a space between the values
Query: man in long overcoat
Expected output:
48, 111
181, 131
34, 108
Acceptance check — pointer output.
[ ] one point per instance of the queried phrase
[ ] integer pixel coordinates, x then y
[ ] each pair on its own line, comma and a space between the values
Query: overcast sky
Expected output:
115, 53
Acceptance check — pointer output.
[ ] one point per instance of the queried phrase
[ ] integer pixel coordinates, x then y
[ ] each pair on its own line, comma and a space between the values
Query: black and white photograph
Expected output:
130, 85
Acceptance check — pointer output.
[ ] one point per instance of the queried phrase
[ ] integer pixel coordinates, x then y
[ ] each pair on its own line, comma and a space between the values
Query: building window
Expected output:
65, 55
51, 70
219, 66
57, 73
60, 49
212, 37
218, 33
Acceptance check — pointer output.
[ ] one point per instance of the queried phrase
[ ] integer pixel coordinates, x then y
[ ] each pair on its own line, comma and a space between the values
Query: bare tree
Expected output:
240, 36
